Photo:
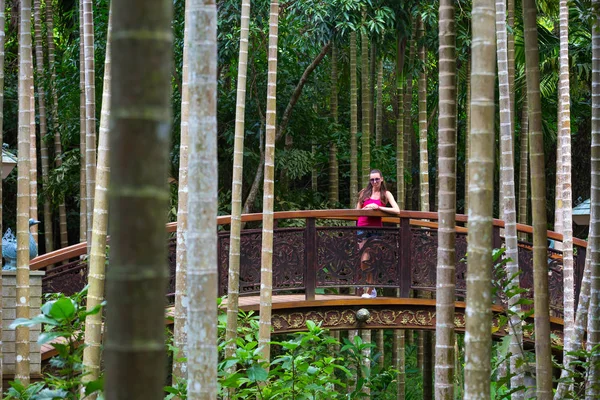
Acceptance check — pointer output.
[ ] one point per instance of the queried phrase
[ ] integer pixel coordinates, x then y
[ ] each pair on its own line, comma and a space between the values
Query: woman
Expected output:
374, 197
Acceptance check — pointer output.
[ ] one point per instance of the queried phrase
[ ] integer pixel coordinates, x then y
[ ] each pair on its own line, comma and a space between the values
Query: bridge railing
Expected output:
323, 249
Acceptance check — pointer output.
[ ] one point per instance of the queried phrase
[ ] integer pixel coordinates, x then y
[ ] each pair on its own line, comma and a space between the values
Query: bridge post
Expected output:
404, 258
310, 272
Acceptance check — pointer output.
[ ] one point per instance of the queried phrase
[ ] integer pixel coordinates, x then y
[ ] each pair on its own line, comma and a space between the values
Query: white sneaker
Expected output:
372, 295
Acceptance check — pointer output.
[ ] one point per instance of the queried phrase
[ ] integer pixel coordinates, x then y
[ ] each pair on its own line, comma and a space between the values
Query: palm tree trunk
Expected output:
233, 290
39, 61
22, 309
353, 123
381, 347
2, 42
202, 238
142, 44
446, 253
366, 353
538, 203
379, 105
509, 213
62, 211
266, 276
566, 194
334, 184
408, 124
481, 177
400, 124
511, 59
366, 108
33, 192
96, 275
90, 112
423, 154
523, 164
593, 335
181, 299
467, 135
398, 360
82, 118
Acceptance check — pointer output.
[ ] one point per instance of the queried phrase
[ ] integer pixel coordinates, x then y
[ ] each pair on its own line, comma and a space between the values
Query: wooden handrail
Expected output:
417, 218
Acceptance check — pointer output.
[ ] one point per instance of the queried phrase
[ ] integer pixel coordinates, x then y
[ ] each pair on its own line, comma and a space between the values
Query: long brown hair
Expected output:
368, 191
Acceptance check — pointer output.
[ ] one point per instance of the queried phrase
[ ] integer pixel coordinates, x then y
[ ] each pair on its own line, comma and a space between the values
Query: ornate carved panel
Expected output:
347, 256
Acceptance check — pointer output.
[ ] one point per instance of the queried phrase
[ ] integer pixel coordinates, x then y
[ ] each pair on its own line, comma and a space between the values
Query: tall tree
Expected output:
22, 309
181, 299
97, 261
233, 289
509, 207
62, 211
353, 123
468, 135
593, 331
33, 192
202, 243
334, 182
423, 153
379, 105
408, 124
142, 44
82, 163
446, 253
566, 194
2, 42
266, 268
39, 63
538, 205
481, 168
398, 360
365, 88
401, 47
90, 112
524, 161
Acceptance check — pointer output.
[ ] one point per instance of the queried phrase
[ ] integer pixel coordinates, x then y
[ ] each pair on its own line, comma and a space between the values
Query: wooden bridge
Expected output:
316, 257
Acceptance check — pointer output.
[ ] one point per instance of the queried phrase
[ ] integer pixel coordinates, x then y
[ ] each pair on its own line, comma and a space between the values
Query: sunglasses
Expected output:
375, 180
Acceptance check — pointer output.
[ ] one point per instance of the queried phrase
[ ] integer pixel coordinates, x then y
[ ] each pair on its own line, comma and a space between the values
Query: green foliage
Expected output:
63, 318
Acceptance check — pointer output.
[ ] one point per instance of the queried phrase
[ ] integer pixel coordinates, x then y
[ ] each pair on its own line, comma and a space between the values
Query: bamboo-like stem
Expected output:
353, 123
379, 105
423, 153
365, 88
408, 124
266, 269
22, 343
2, 42
334, 183
82, 117
90, 113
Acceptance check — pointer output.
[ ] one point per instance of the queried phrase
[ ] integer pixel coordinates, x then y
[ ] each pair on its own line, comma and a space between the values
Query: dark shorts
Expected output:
365, 234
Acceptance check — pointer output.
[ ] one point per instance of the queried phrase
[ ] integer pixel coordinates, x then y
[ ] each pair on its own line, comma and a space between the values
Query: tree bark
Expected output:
400, 184
233, 290
423, 153
479, 265
266, 276
202, 239
523, 163
446, 253
353, 123
135, 353
22, 343
408, 123
2, 43
92, 352
538, 202
366, 108
82, 118
334, 187
468, 135
379, 105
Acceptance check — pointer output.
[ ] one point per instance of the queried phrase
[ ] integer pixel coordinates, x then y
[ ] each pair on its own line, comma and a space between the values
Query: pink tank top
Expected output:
370, 221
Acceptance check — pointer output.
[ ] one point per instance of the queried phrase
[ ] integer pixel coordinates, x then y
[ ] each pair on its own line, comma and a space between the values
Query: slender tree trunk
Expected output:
593, 334
62, 211
408, 124
181, 299
334, 184
509, 212
82, 118
2, 42
142, 46
366, 109
33, 192
511, 59
524, 162
538, 202
96, 275
233, 290
366, 353
398, 360
202, 243
266, 276
22, 342
353, 123
90, 112
379, 105
478, 340
400, 184
381, 347
446, 253
423, 153
468, 135
39, 61
566, 194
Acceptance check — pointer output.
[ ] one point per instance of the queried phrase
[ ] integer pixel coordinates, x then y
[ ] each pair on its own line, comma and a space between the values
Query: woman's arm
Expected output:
394, 209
